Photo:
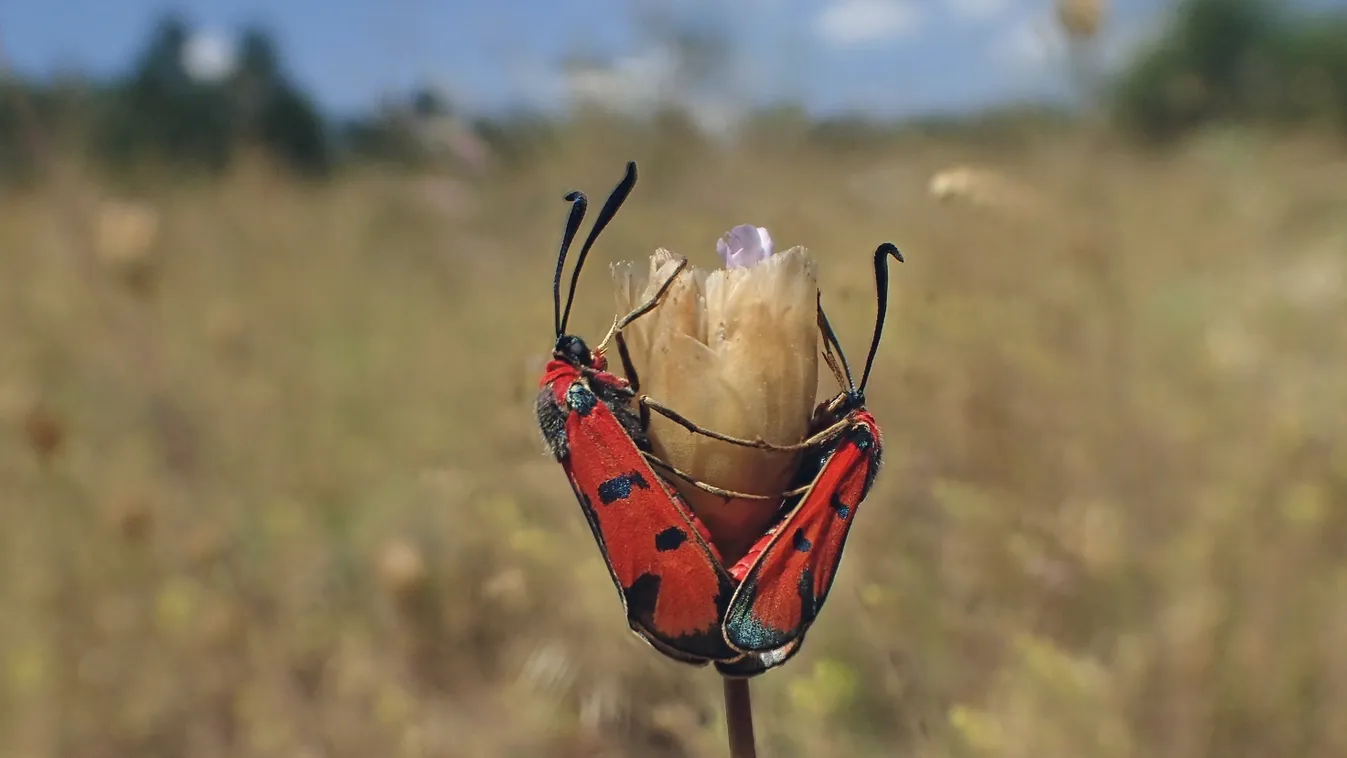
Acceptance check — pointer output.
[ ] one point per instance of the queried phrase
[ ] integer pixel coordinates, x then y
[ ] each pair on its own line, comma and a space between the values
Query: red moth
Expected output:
784, 587
783, 581
673, 585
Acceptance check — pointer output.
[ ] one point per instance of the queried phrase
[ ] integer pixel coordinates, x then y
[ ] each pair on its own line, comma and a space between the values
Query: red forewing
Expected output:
672, 583
784, 584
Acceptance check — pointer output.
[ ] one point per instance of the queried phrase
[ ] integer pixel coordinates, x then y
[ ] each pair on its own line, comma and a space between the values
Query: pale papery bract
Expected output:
734, 350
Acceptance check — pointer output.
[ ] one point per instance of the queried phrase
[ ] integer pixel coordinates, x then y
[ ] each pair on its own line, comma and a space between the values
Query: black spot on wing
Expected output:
810, 605
670, 539
800, 542
842, 509
696, 648
552, 423
619, 487
642, 596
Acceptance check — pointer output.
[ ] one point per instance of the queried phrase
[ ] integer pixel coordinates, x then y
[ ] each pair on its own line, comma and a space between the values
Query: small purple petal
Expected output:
744, 246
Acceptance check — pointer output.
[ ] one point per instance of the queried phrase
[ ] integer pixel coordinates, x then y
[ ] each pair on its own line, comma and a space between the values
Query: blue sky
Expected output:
880, 56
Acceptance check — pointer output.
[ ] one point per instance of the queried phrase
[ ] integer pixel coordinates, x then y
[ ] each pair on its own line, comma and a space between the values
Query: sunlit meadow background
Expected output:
272, 484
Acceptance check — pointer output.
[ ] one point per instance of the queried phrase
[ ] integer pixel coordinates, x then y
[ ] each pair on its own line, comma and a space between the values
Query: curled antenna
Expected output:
882, 254
606, 214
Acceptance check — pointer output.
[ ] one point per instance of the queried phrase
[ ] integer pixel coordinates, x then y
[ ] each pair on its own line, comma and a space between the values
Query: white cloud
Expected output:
634, 84
855, 22
209, 56
978, 10
638, 84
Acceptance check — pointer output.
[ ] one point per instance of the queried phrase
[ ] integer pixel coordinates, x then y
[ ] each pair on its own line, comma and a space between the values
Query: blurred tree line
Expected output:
1251, 61
159, 113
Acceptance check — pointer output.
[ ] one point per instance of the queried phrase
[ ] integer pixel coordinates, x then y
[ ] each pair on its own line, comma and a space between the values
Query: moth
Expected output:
676, 591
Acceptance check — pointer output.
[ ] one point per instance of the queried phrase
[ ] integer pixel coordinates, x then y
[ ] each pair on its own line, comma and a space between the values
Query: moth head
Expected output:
573, 350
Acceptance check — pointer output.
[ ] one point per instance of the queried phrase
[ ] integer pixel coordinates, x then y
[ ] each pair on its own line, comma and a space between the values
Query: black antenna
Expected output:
882, 254
615, 200
578, 203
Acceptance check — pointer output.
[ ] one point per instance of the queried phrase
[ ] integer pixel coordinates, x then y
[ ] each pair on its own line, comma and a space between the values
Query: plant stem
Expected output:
739, 718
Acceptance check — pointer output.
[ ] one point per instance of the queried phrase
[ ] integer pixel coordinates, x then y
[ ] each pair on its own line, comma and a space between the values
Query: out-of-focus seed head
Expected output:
987, 190
403, 570
132, 516
1080, 19
205, 544
125, 239
44, 430
734, 350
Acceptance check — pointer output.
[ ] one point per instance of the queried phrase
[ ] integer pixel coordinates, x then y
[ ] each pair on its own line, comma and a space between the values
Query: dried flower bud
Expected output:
736, 351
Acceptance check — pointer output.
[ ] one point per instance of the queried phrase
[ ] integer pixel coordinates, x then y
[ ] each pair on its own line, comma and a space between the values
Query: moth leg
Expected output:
650, 304
829, 433
603, 344
629, 369
615, 331
644, 415
718, 491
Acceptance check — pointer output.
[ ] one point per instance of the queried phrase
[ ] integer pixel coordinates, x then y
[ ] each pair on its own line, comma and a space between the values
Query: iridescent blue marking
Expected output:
580, 399
800, 542
843, 510
749, 633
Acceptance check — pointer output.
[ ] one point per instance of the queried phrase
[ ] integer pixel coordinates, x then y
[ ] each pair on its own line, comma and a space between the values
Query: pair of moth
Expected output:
678, 594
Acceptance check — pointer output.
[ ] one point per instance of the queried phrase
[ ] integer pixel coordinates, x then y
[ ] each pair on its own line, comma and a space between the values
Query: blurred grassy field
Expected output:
294, 501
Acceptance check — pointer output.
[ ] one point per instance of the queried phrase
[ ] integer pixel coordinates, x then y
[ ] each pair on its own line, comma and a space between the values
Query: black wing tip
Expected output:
681, 652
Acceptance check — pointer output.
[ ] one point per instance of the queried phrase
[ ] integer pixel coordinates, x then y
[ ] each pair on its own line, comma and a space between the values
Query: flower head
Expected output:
1080, 19
733, 350
744, 246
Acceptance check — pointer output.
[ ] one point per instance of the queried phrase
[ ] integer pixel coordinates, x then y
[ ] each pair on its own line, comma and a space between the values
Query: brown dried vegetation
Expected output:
1111, 522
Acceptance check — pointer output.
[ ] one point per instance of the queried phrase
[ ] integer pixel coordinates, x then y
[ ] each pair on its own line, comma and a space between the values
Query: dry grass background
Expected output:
273, 487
